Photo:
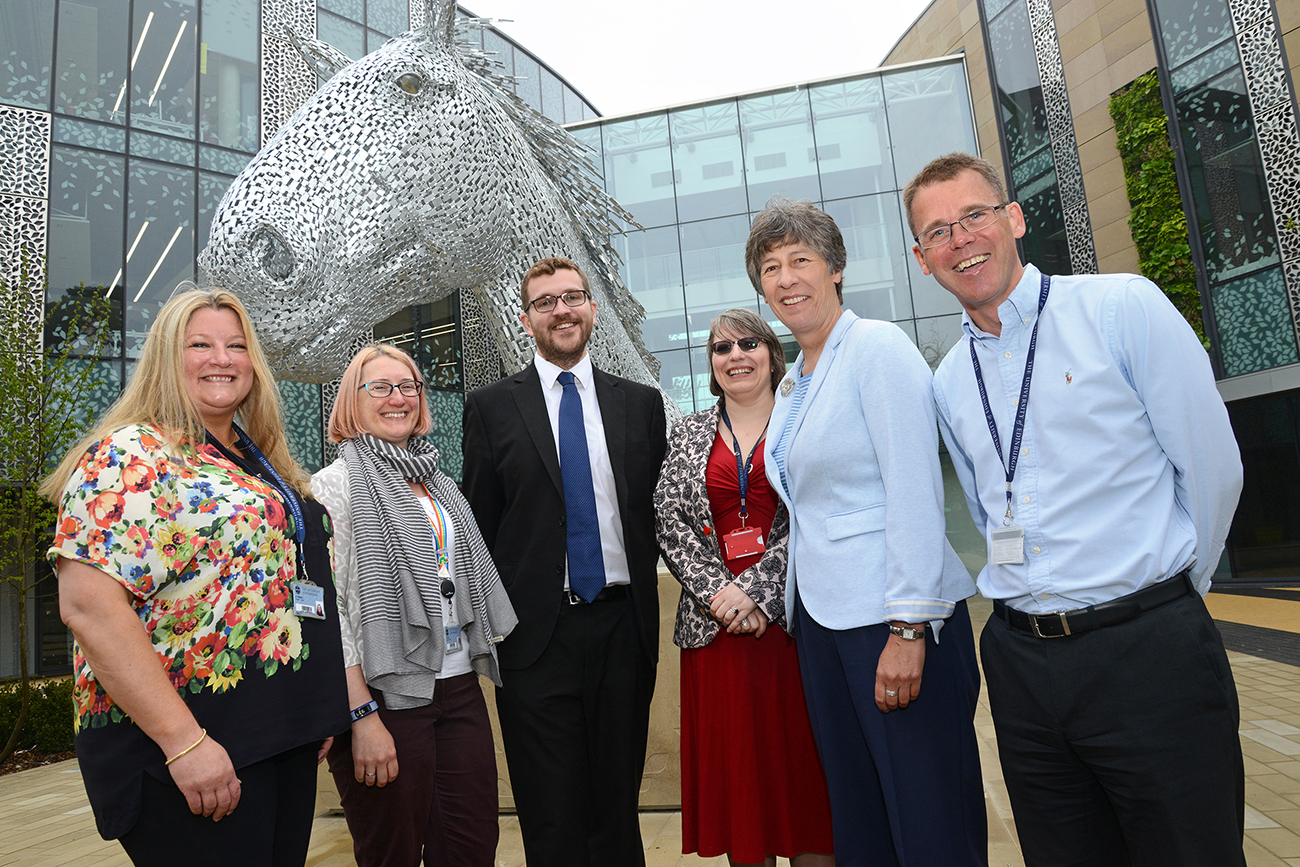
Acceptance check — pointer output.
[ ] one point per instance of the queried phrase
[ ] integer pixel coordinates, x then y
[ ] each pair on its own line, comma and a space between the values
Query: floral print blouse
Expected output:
204, 549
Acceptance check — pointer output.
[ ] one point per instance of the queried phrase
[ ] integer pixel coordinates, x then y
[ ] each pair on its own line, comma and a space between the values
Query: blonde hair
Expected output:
345, 421
157, 395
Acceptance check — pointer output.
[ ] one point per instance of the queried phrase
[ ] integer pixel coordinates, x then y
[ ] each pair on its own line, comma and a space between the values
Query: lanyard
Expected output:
290, 498
438, 522
1018, 430
743, 466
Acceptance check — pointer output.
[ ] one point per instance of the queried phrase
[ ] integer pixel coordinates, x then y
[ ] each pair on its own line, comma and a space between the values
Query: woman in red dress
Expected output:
752, 784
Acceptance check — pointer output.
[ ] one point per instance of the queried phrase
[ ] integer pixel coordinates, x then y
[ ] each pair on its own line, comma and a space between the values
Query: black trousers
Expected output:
1119, 746
574, 725
271, 827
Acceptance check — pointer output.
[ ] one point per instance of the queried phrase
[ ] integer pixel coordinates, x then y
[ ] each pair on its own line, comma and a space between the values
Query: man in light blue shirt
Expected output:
1097, 459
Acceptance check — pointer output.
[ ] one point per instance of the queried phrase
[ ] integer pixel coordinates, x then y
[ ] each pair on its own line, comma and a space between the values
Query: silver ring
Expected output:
891, 692
745, 623
735, 611
371, 775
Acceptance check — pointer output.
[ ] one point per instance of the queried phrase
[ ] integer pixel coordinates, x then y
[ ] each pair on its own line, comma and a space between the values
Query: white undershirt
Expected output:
457, 663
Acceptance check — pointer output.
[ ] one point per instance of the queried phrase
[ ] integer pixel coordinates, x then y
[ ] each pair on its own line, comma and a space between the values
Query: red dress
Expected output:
752, 784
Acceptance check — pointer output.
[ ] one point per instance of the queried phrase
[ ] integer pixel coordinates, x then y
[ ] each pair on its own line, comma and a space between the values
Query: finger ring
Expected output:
745, 622
735, 611
891, 692
371, 775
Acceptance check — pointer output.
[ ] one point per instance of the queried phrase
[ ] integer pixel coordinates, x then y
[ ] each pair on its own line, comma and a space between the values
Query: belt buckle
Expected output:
1038, 633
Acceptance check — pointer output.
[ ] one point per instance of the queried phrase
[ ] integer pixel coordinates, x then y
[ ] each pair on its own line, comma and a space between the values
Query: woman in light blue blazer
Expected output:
874, 592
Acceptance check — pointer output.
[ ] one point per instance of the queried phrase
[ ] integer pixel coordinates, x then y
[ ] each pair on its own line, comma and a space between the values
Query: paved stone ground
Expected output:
45, 820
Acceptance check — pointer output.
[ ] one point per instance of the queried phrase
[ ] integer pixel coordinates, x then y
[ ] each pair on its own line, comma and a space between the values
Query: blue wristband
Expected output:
365, 710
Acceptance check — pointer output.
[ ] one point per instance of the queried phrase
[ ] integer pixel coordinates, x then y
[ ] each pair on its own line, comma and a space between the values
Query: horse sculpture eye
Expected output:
410, 83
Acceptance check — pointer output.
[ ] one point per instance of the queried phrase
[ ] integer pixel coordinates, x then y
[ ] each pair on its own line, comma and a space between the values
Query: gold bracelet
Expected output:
204, 734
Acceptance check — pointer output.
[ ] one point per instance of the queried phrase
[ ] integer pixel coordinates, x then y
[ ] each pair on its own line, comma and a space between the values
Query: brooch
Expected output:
787, 386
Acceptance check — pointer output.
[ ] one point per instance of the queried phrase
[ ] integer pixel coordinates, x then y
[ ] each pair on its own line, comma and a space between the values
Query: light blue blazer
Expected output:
863, 486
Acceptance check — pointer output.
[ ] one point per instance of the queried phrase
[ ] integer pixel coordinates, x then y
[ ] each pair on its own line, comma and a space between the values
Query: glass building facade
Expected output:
122, 124
695, 175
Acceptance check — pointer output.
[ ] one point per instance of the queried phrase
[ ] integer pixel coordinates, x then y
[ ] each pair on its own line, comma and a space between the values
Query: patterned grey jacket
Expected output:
689, 541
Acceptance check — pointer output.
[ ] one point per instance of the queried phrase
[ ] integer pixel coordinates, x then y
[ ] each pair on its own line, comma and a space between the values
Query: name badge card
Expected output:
1007, 546
452, 634
308, 600
744, 542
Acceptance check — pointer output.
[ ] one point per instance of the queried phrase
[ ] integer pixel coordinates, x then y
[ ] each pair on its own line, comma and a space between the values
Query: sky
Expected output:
627, 57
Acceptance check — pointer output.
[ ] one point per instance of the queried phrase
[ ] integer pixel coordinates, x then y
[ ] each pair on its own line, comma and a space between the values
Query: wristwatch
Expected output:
907, 633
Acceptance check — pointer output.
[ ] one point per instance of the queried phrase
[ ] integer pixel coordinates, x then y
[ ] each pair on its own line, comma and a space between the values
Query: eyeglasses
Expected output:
546, 303
975, 221
408, 388
746, 344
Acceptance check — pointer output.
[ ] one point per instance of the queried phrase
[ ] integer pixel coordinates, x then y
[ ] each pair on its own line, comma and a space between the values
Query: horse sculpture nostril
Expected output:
276, 258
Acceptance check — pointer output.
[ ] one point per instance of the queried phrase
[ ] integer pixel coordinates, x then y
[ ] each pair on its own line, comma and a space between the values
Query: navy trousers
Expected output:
905, 786
1119, 746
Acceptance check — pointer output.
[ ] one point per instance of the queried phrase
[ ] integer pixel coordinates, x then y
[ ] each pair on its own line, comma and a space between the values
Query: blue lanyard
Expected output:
743, 466
1018, 430
290, 498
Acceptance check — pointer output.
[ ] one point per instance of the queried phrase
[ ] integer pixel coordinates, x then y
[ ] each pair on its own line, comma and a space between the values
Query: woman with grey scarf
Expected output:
421, 609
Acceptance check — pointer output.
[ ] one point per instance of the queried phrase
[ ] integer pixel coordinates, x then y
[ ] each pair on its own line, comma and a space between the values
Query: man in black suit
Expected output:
578, 671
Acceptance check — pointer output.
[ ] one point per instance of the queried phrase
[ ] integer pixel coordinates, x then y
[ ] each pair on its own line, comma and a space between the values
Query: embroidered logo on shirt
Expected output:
1069, 378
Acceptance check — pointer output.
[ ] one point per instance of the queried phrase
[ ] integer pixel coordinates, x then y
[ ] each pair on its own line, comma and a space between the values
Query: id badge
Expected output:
744, 542
1007, 546
452, 634
308, 599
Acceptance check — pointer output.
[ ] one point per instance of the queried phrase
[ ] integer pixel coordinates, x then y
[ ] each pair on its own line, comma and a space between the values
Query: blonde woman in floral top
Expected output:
204, 694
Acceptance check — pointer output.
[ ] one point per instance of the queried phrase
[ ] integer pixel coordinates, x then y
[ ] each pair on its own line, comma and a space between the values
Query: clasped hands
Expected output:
739, 614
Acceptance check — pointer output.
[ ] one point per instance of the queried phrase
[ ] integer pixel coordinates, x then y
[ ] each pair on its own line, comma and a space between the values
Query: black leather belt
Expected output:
1059, 624
608, 592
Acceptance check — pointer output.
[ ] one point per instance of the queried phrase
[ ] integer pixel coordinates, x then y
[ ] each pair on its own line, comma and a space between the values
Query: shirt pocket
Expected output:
846, 524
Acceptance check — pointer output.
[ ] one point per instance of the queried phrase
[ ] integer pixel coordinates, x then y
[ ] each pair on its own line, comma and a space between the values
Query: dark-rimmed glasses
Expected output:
975, 221
546, 303
408, 388
746, 344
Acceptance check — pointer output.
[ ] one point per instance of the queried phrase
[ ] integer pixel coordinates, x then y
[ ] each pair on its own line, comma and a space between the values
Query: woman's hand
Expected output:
730, 606
898, 674
374, 755
324, 749
207, 779
755, 623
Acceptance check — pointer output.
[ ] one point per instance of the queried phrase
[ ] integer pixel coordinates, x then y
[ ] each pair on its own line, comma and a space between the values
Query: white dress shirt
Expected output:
602, 470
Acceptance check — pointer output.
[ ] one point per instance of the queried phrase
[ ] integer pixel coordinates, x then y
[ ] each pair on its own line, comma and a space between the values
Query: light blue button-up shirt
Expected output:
1129, 471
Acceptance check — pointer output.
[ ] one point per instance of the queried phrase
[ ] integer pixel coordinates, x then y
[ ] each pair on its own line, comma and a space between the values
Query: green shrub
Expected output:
48, 728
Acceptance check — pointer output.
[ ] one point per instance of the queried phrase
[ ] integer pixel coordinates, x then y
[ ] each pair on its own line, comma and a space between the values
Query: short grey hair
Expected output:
743, 322
947, 167
785, 222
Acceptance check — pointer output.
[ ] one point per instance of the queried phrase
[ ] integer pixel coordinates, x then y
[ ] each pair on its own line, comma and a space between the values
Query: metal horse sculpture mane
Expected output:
412, 173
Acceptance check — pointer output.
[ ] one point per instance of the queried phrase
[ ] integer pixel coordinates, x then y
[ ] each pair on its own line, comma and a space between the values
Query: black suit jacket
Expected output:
512, 482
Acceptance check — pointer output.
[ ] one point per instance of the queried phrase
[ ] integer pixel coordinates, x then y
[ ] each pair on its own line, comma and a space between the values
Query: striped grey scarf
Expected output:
397, 572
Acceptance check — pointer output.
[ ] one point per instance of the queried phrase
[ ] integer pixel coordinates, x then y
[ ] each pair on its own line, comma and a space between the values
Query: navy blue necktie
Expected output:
586, 562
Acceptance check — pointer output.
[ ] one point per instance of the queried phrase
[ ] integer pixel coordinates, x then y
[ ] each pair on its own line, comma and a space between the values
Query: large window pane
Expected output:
26, 52
428, 333
936, 335
1223, 162
780, 157
1190, 27
1266, 528
529, 85
92, 59
389, 17
160, 217
1020, 90
1254, 321
344, 35
211, 189
852, 137
676, 380
447, 409
708, 162
639, 168
496, 45
351, 9
86, 214
228, 75
652, 270
302, 417
552, 96
163, 69
713, 266
1045, 242
875, 277
929, 114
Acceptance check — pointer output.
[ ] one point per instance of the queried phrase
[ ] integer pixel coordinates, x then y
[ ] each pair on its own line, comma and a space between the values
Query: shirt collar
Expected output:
548, 371
1020, 305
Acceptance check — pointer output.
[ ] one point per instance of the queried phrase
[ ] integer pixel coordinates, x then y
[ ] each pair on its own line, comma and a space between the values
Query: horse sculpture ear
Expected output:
324, 59
440, 22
